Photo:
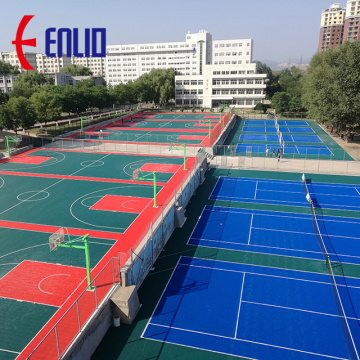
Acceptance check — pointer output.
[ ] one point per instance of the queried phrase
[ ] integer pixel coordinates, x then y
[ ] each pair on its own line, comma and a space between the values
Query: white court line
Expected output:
357, 191
21, 201
292, 138
256, 189
252, 218
297, 149
39, 284
296, 309
10, 351
239, 340
238, 314
149, 132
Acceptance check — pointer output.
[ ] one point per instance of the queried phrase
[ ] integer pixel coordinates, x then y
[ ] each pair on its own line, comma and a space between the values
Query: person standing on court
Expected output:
278, 155
273, 152
267, 151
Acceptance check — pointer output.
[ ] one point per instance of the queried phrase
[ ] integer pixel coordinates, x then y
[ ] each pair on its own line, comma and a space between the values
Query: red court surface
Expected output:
29, 159
127, 204
191, 137
42, 283
213, 124
163, 168
97, 133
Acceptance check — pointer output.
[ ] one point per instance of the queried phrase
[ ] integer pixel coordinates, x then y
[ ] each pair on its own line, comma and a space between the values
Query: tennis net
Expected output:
349, 340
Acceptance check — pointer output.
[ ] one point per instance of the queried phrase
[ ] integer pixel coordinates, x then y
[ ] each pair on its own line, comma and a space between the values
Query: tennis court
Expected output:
43, 190
288, 149
330, 196
278, 233
272, 129
255, 312
275, 138
280, 122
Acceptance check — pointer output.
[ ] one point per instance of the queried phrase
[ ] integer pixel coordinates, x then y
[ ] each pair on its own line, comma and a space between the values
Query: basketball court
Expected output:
191, 129
111, 197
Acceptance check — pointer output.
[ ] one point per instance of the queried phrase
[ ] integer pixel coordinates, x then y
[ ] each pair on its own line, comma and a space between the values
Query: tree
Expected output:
272, 80
6, 68
6, 121
28, 83
22, 113
331, 88
77, 70
280, 101
46, 106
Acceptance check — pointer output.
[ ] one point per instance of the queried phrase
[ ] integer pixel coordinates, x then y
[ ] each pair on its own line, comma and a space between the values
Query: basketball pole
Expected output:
179, 148
146, 177
85, 119
85, 247
9, 139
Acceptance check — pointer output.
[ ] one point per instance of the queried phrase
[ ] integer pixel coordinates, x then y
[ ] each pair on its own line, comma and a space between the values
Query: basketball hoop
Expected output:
56, 239
135, 175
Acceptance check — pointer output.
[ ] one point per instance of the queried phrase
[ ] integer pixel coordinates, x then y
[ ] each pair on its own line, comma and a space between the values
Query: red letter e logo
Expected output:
19, 42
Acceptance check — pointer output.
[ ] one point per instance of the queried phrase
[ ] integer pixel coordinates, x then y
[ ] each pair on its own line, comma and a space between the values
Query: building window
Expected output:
200, 91
193, 82
186, 82
193, 92
178, 101
186, 102
178, 82
249, 102
200, 82
179, 92
193, 101
186, 92
224, 82
224, 92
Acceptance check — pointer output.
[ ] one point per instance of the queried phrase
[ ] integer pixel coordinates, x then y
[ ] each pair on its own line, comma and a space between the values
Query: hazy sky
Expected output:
280, 28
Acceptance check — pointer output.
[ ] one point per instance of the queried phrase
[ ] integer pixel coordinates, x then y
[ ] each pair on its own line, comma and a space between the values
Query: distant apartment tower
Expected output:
11, 57
332, 27
351, 23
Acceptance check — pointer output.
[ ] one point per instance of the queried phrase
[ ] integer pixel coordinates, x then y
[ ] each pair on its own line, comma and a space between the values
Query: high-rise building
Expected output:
351, 23
212, 72
332, 27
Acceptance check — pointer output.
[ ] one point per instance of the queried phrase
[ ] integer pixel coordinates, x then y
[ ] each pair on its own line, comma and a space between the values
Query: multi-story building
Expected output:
12, 58
332, 27
96, 64
7, 82
51, 65
351, 23
212, 72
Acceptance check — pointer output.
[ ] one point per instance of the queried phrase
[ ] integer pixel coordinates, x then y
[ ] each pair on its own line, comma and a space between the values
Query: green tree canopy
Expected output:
6, 68
46, 106
22, 113
331, 89
77, 70
27, 83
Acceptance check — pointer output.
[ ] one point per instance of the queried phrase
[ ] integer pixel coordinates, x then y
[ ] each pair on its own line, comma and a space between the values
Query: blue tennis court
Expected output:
288, 149
291, 193
277, 233
253, 311
287, 138
280, 122
272, 129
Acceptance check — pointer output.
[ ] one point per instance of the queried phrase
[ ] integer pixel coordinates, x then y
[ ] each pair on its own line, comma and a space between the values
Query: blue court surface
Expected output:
280, 122
288, 149
287, 138
272, 129
291, 193
254, 312
277, 233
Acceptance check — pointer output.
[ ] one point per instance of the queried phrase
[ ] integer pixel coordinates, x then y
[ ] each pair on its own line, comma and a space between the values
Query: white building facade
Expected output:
212, 72
7, 83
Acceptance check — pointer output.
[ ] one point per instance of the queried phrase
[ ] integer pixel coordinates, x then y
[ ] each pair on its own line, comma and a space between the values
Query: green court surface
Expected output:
126, 342
86, 164
338, 153
155, 128
88, 193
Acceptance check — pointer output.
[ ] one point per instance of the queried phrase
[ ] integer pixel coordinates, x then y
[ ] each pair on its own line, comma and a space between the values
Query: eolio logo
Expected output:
92, 36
